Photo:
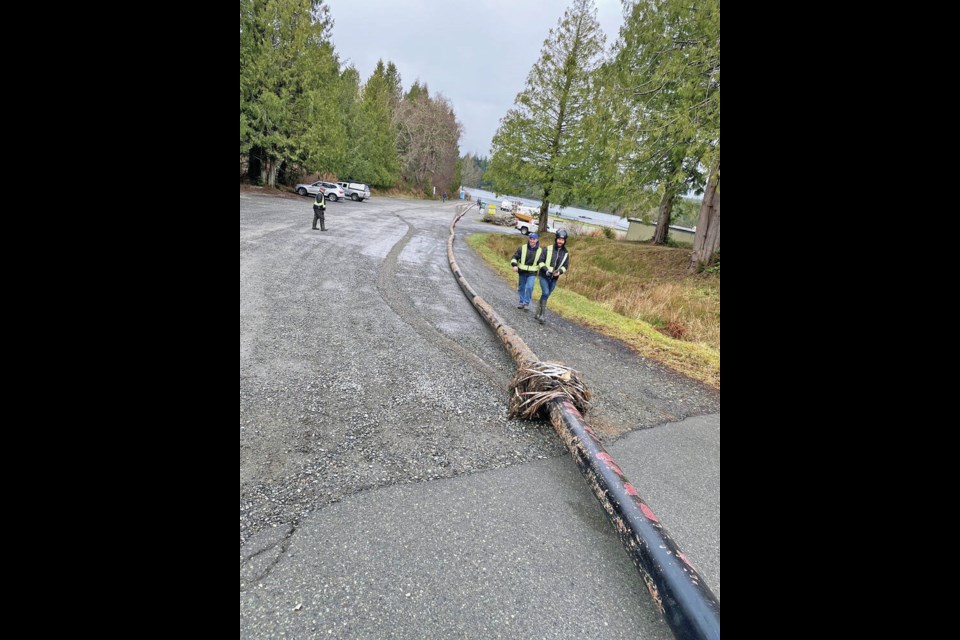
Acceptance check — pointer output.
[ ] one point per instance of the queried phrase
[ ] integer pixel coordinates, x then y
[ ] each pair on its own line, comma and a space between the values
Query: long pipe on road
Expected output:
691, 610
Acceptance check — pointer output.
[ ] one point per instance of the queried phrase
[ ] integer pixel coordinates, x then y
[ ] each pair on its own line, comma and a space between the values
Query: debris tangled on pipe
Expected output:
536, 384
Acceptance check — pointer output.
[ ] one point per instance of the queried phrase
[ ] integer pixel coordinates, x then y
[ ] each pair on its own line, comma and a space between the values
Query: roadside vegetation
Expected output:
639, 293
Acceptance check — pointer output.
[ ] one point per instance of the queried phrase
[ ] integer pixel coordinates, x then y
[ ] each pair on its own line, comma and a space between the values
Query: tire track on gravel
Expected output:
404, 308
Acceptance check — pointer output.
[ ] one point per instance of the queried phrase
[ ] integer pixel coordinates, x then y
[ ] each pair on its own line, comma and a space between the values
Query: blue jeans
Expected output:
525, 285
547, 285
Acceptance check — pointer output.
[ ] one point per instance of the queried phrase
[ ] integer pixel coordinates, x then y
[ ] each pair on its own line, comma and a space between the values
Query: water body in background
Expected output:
567, 213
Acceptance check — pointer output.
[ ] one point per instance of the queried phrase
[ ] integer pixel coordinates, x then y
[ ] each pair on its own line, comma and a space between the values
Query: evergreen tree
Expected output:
542, 143
663, 90
287, 111
392, 78
417, 91
470, 172
373, 153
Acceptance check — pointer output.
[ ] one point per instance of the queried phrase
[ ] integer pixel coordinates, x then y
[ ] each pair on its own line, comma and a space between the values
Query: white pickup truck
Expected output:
526, 226
357, 191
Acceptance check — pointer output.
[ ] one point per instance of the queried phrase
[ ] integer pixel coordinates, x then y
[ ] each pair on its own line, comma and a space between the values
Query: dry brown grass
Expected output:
682, 310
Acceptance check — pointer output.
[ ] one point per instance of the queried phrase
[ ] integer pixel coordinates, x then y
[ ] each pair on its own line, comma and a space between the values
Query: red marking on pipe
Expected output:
631, 490
573, 409
647, 512
609, 462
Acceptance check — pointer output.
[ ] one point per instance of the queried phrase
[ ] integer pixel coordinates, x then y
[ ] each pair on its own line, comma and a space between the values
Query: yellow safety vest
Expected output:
559, 268
523, 259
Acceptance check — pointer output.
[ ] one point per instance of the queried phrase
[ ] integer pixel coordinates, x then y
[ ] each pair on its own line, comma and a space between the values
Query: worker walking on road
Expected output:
526, 262
556, 261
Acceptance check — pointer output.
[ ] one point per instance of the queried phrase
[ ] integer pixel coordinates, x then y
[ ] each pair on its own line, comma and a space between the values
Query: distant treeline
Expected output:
301, 114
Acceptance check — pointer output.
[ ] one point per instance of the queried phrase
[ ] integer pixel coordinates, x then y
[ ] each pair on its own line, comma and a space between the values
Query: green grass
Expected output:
638, 293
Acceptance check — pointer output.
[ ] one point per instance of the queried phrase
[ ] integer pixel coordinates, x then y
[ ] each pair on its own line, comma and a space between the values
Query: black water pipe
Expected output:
690, 609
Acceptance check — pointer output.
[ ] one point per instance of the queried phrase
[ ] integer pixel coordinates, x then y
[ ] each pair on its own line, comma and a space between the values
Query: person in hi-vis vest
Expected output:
556, 261
525, 263
319, 208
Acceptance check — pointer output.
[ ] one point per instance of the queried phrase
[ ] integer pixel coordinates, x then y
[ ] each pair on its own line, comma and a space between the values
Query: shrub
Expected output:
715, 266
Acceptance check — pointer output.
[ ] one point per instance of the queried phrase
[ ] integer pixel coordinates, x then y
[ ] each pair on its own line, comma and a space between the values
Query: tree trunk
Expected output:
545, 207
266, 170
663, 219
270, 168
254, 168
713, 234
542, 222
706, 241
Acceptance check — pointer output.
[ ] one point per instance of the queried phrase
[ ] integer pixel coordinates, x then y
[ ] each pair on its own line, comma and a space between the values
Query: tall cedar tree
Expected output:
374, 157
288, 112
664, 94
541, 144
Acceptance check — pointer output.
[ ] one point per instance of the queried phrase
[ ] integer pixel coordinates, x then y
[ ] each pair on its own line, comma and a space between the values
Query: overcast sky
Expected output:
477, 53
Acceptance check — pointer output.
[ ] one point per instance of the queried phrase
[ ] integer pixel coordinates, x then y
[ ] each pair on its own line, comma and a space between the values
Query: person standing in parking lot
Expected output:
319, 209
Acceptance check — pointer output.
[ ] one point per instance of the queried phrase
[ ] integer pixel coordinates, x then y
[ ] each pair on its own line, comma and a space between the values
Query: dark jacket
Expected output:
559, 260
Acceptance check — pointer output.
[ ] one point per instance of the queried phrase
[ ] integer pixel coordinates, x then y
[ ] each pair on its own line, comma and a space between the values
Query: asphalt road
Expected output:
383, 491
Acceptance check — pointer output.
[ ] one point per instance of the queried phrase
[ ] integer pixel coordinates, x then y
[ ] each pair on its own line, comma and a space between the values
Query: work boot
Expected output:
542, 312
